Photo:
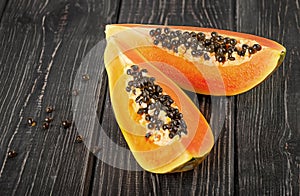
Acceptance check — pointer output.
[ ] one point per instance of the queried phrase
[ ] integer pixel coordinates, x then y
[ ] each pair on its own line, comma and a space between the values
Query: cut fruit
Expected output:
163, 128
215, 62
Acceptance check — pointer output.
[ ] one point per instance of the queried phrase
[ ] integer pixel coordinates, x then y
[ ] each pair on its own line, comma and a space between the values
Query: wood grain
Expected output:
2, 7
47, 46
268, 132
215, 175
42, 45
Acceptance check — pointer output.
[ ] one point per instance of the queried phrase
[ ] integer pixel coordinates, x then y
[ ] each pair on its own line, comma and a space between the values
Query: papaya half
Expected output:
163, 128
215, 62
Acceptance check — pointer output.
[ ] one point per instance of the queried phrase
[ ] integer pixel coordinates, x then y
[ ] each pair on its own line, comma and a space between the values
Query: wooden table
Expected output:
43, 44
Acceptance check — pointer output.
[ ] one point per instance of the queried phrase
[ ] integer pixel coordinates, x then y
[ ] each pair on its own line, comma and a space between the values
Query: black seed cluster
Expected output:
200, 44
152, 95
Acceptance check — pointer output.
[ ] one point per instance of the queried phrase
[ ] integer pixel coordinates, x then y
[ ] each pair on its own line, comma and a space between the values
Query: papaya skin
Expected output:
181, 155
209, 80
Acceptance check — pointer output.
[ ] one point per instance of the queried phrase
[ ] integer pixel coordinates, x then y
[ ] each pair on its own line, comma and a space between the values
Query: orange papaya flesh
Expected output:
210, 77
179, 155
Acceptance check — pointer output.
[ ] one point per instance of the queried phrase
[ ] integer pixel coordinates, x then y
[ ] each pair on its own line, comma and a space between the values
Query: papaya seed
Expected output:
214, 34
46, 125
251, 50
12, 154
256, 47
156, 42
193, 41
206, 57
152, 33
166, 30
152, 95
158, 31
148, 135
49, 109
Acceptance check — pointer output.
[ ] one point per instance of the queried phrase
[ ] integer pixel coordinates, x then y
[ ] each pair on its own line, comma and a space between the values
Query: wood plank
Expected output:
42, 46
2, 7
268, 131
216, 174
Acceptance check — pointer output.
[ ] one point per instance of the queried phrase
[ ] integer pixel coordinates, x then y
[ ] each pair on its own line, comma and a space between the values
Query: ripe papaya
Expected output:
215, 62
163, 128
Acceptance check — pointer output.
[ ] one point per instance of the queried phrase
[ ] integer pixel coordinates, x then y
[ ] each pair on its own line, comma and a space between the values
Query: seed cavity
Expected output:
157, 108
201, 45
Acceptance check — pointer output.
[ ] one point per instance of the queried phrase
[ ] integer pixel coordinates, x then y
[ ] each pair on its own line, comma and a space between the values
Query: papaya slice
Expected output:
163, 128
215, 62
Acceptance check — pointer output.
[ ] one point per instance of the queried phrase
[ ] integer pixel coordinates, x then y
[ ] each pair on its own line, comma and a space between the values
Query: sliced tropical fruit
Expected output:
163, 128
214, 61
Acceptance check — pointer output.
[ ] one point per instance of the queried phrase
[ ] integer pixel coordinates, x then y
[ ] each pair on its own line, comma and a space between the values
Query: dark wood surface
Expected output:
43, 46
